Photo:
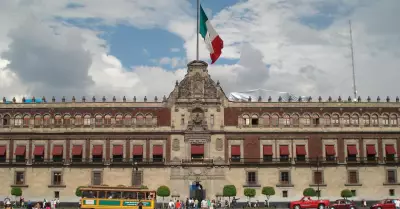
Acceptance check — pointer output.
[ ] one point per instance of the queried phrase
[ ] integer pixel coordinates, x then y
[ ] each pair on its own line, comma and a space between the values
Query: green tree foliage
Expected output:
16, 191
229, 191
78, 191
309, 192
345, 193
163, 191
143, 187
268, 192
249, 193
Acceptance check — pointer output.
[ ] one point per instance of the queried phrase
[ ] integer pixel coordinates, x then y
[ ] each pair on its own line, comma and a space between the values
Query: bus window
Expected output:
129, 195
102, 194
141, 195
113, 195
152, 195
88, 194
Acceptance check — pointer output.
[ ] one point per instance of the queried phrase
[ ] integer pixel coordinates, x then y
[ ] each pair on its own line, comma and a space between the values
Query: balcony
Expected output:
85, 161
48, 161
197, 161
391, 160
362, 160
260, 161
329, 160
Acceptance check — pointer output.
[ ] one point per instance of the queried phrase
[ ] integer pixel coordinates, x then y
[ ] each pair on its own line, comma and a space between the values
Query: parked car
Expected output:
307, 202
343, 204
384, 204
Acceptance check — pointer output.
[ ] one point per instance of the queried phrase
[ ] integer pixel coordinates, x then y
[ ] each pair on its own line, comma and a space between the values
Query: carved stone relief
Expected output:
219, 144
175, 145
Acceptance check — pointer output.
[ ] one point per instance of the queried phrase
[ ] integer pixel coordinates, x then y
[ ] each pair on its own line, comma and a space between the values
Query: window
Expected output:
46, 120
149, 120
275, 121
182, 120
38, 120
284, 178
267, 153
38, 153
97, 153
67, 120
118, 153
20, 178
335, 120
327, 120
86, 120
330, 152
119, 120
251, 178
318, 177
354, 192
212, 120
266, 120
27, 120
367, 120
295, 120
307, 120
137, 178
354, 120
352, 177
3, 153
235, 153
137, 153
139, 120
197, 151
392, 192
57, 120
284, 193
56, 178
78, 120
96, 178
318, 193
77, 153
99, 120
374, 120
57, 194
18, 120
286, 120
284, 153
107, 120
352, 153
246, 120
128, 120
6, 120
254, 120
393, 120
385, 120
316, 121
346, 120
391, 176
301, 153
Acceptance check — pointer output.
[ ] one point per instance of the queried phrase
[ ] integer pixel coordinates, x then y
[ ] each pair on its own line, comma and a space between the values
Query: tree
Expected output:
78, 191
163, 191
16, 191
310, 192
268, 192
249, 193
345, 193
229, 191
143, 187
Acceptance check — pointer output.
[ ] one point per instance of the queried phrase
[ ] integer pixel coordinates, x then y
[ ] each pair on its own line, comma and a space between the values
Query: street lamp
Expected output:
319, 180
136, 166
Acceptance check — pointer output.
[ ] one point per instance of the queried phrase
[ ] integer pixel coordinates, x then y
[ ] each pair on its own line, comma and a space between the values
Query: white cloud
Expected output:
175, 50
301, 59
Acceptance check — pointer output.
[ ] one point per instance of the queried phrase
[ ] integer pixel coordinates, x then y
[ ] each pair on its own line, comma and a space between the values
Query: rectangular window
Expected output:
251, 178
316, 121
254, 121
137, 178
284, 178
354, 192
267, 153
182, 120
392, 192
318, 177
3, 153
57, 194
284, 193
56, 178
235, 153
96, 178
212, 120
20, 178
353, 177
391, 176
158, 153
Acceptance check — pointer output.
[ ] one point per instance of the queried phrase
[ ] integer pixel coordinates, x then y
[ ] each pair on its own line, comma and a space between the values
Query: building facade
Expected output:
195, 134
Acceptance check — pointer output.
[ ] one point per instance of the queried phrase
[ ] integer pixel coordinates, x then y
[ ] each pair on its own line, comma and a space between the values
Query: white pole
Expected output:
198, 29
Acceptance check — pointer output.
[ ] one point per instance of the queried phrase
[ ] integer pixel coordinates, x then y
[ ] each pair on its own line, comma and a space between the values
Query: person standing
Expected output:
140, 204
397, 203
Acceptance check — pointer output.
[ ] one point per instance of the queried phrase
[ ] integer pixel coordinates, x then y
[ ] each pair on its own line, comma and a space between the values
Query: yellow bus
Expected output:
96, 197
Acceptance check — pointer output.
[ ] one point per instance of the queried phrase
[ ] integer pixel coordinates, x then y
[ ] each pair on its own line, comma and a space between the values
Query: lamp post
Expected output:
136, 166
319, 180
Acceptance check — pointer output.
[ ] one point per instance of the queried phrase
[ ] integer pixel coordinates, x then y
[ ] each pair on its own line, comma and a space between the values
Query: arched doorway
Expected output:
197, 191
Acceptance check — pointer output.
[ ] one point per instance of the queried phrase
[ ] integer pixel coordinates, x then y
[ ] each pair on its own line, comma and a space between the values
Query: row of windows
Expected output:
56, 178
318, 178
315, 120
79, 120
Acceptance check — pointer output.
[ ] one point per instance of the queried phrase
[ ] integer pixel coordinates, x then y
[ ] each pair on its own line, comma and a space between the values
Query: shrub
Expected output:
268, 192
78, 191
16, 191
249, 193
163, 191
345, 193
309, 192
229, 191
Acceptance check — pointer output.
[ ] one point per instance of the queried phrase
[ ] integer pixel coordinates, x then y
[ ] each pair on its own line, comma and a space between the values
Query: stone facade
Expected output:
196, 134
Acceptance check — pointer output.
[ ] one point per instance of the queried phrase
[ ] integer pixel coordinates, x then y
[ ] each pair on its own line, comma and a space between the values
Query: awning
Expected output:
158, 150
57, 150
97, 150
197, 149
267, 150
352, 149
390, 150
3, 150
137, 150
77, 150
235, 150
330, 150
301, 150
20, 150
39, 150
118, 150
371, 149
283, 150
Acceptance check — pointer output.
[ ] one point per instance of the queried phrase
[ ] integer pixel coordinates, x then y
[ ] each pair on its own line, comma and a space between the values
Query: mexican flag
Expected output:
213, 42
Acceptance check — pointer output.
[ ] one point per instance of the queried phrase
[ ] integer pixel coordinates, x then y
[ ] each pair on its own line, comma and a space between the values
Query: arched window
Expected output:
128, 120
266, 120
119, 120
286, 120
139, 120
393, 120
385, 120
346, 119
87, 120
367, 120
57, 120
355, 120
46, 120
107, 120
27, 120
246, 120
295, 120
307, 120
6, 120
78, 120
149, 119
99, 120
335, 120
67, 120
38, 120
275, 120
18, 120
327, 120
374, 120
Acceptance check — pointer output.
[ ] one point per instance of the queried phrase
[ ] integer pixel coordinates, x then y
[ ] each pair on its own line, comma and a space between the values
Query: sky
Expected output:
140, 48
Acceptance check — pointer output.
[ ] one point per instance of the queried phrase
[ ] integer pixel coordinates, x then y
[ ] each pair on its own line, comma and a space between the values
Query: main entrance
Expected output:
197, 191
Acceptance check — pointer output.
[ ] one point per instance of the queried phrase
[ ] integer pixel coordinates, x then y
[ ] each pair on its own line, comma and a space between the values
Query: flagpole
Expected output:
198, 29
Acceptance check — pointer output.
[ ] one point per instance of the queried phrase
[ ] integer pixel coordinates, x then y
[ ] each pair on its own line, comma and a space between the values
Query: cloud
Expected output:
175, 50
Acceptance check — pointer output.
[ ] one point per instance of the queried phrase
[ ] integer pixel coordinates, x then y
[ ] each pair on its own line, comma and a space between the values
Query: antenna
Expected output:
352, 62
